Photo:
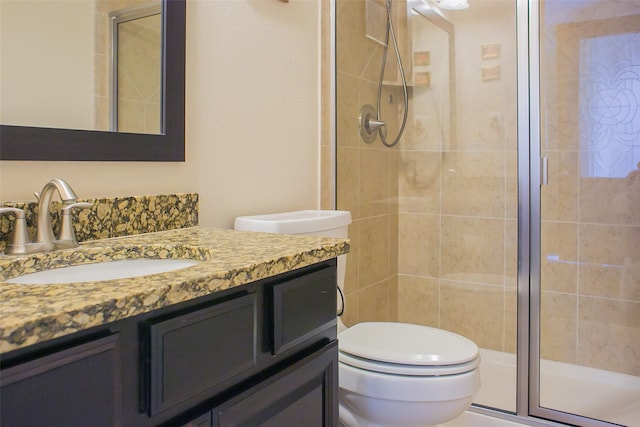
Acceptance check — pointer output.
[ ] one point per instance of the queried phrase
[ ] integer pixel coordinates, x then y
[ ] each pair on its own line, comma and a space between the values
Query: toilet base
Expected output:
391, 413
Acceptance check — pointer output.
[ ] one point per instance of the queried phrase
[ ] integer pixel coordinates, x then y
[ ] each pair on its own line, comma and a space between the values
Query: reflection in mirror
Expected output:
58, 57
136, 55
59, 102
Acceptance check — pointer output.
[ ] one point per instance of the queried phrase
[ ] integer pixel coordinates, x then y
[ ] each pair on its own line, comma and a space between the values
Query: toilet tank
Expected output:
324, 223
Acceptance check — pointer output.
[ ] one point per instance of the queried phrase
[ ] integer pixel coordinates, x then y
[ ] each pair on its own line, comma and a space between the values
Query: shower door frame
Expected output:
532, 175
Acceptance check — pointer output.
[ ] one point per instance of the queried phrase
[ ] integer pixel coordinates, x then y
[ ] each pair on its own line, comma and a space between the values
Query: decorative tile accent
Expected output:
115, 216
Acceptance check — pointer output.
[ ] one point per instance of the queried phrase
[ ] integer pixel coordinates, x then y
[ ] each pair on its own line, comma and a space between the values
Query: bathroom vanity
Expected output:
245, 337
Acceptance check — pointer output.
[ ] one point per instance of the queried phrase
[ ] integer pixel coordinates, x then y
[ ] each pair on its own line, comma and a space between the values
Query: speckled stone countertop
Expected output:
30, 314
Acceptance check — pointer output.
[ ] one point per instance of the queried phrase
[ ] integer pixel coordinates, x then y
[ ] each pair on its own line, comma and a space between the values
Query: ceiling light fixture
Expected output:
453, 4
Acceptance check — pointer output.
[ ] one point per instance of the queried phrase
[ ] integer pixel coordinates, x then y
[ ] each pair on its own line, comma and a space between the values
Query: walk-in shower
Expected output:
457, 227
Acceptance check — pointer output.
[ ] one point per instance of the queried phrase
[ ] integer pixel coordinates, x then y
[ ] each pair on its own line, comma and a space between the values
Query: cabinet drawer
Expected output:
193, 352
303, 394
303, 306
78, 385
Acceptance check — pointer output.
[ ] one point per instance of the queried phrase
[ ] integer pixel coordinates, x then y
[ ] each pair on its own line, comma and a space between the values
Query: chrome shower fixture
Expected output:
370, 119
369, 125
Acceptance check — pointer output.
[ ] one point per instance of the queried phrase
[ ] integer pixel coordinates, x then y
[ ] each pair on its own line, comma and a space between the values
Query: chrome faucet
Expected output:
44, 230
45, 240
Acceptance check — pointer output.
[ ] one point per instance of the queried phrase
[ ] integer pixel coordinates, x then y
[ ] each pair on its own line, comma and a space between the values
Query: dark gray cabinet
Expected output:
259, 354
194, 352
300, 395
79, 385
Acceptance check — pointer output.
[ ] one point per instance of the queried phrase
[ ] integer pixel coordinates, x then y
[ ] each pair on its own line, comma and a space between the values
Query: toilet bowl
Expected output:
390, 374
398, 374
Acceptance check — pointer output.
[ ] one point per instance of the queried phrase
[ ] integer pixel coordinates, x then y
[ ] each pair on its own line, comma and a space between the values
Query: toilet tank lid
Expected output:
408, 344
297, 222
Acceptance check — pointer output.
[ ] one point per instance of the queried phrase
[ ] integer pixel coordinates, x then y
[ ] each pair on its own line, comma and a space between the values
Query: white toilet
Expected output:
390, 374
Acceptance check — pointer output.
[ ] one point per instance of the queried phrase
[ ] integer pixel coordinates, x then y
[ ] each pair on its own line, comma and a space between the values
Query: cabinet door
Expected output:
76, 386
302, 307
304, 394
194, 352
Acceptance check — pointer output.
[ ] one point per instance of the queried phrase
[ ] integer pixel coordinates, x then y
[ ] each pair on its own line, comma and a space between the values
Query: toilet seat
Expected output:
406, 349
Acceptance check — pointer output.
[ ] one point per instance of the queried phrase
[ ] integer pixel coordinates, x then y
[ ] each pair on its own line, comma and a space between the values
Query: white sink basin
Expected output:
102, 271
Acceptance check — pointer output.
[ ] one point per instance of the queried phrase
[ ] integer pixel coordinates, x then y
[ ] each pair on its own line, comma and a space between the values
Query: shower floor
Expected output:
470, 419
610, 396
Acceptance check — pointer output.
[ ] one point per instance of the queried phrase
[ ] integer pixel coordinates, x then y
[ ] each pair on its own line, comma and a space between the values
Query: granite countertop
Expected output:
30, 314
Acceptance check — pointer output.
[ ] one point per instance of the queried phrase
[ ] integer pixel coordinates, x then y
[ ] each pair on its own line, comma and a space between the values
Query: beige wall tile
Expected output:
419, 244
347, 109
473, 249
374, 302
393, 299
474, 311
482, 109
419, 300
354, 50
131, 116
610, 261
373, 251
393, 165
394, 242
609, 335
419, 182
373, 182
559, 257
560, 196
558, 327
152, 117
610, 200
562, 117
609, 244
473, 183
102, 114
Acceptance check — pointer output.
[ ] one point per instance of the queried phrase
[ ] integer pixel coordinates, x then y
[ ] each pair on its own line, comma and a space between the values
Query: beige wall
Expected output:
39, 89
253, 118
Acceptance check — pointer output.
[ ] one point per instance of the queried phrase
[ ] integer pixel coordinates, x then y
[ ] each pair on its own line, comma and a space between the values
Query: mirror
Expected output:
66, 139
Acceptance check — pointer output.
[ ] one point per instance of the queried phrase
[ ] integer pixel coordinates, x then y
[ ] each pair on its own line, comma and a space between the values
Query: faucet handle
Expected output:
67, 207
67, 238
19, 238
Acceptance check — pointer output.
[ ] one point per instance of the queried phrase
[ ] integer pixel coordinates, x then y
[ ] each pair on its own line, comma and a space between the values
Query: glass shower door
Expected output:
589, 315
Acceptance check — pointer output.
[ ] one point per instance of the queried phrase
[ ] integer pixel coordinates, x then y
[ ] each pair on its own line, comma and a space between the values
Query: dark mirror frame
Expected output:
33, 143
